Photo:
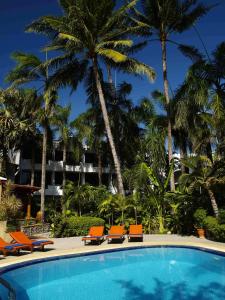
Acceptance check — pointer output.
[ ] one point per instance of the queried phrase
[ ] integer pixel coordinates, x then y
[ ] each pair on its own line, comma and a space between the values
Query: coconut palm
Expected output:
192, 114
94, 29
164, 18
205, 174
30, 68
61, 120
27, 105
122, 115
204, 86
18, 118
89, 128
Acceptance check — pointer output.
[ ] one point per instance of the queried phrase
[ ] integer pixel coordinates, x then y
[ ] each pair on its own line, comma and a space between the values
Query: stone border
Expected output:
37, 257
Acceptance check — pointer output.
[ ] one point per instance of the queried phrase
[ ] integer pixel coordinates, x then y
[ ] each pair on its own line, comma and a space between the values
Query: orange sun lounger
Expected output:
95, 234
6, 248
116, 233
20, 237
135, 232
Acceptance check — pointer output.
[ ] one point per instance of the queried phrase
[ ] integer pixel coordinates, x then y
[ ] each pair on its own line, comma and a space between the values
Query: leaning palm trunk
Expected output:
169, 126
213, 202
108, 129
43, 173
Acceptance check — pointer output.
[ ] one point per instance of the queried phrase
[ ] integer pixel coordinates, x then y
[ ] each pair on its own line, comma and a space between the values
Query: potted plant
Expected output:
199, 217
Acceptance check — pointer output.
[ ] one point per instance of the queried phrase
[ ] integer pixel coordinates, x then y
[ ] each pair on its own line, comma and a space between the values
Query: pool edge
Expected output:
38, 257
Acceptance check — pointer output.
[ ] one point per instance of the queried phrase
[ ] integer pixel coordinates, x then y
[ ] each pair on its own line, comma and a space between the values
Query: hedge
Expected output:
75, 226
214, 230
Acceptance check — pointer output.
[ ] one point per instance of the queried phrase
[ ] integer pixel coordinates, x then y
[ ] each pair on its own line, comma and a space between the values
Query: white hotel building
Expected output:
85, 170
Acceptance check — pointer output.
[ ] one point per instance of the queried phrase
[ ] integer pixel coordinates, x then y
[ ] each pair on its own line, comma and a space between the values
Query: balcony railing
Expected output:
57, 166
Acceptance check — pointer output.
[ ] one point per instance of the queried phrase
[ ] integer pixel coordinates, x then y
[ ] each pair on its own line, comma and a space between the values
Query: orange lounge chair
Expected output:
135, 232
95, 234
6, 248
20, 237
116, 233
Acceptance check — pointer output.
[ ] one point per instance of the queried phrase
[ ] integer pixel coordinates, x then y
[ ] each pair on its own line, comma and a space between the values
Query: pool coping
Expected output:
38, 257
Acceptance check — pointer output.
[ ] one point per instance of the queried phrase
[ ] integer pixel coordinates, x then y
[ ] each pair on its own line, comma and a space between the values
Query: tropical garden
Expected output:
167, 150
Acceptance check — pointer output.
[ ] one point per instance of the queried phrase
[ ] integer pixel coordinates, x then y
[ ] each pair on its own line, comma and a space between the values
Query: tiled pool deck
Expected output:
74, 245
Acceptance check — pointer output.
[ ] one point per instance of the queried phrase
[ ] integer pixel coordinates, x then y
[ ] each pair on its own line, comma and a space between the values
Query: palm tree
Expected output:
164, 18
84, 198
153, 188
180, 133
192, 114
205, 86
95, 30
61, 120
89, 128
18, 119
122, 114
107, 208
30, 68
30, 102
205, 174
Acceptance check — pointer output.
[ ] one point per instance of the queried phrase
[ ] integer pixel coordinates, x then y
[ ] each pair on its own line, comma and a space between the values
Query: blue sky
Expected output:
16, 14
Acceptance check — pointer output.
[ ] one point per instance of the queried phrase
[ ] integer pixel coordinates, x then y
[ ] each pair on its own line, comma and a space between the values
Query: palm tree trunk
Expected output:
108, 128
3, 162
183, 152
1, 165
135, 213
209, 151
64, 167
32, 165
181, 157
110, 80
43, 173
213, 202
64, 180
169, 126
99, 169
122, 214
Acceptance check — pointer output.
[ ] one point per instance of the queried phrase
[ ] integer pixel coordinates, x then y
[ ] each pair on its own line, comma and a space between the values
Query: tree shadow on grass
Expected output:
168, 291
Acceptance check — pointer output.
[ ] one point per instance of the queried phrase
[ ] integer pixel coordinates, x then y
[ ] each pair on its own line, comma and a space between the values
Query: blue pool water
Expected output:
162, 273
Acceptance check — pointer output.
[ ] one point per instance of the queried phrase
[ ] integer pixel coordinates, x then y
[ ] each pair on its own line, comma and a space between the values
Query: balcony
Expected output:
57, 166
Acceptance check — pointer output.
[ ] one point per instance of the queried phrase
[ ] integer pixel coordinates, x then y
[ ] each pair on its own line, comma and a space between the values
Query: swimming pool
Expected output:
142, 273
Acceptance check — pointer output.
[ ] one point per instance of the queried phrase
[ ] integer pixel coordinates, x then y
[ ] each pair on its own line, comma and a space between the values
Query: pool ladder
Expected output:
11, 291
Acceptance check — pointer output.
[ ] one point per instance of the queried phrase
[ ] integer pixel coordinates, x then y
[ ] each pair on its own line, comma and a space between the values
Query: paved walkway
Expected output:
74, 245
75, 242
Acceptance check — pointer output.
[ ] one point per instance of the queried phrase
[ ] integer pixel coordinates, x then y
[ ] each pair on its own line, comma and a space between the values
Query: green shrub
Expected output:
199, 217
212, 227
214, 230
74, 226
221, 218
222, 233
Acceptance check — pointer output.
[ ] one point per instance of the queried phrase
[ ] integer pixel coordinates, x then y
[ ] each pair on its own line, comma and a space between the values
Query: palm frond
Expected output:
139, 68
114, 44
191, 52
66, 36
114, 55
